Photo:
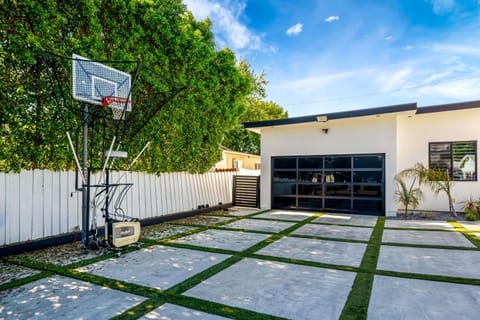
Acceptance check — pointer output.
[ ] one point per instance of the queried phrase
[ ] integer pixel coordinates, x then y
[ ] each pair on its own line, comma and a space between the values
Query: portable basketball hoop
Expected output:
94, 83
119, 106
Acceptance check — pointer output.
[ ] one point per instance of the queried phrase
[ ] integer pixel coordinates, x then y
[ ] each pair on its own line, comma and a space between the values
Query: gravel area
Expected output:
164, 230
10, 272
226, 212
60, 255
429, 215
202, 220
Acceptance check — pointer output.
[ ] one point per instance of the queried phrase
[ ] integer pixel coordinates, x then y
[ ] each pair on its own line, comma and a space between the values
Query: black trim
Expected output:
367, 112
449, 107
334, 115
27, 246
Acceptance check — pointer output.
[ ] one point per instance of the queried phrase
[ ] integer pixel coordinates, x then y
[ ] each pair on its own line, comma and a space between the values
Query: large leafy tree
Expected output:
257, 108
187, 95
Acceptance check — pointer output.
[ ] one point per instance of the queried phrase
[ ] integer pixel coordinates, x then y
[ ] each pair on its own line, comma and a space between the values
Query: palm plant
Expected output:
438, 181
408, 196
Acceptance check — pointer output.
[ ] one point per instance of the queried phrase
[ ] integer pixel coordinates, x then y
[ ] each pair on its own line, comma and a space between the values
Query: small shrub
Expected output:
471, 208
471, 216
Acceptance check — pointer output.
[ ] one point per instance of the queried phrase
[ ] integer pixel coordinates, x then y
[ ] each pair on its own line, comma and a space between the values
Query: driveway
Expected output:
246, 264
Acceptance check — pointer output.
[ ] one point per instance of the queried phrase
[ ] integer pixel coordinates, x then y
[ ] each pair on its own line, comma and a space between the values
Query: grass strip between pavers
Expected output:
427, 246
91, 278
304, 236
420, 229
466, 233
22, 281
140, 309
304, 262
220, 309
358, 300
429, 277
342, 225
198, 248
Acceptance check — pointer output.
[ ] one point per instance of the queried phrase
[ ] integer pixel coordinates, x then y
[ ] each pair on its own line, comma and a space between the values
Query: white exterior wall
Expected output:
347, 136
416, 132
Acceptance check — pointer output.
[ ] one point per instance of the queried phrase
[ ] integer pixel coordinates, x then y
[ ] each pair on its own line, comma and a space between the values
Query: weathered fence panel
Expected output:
42, 203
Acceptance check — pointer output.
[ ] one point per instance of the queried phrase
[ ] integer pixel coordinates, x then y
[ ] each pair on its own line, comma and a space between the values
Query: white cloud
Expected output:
396, 80
295, 29
442, 6
229, 31
408, 47
461, 90
388, 38
332, 18
460, 49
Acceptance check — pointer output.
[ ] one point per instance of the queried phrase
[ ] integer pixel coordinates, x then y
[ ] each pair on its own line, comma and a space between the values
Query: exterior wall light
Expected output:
322, 119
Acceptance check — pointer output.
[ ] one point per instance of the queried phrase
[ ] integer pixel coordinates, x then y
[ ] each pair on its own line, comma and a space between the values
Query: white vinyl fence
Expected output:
41, 203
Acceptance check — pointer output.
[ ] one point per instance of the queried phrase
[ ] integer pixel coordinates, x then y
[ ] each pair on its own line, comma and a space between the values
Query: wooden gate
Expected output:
246, 191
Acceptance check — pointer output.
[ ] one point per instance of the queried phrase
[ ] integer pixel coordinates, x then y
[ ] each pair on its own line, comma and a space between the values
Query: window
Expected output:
458, 158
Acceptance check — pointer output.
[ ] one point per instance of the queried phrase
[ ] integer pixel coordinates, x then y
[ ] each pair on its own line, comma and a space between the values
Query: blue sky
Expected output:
323, 56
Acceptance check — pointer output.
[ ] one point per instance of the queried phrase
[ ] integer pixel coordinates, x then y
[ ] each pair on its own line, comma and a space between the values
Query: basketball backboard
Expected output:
93, 81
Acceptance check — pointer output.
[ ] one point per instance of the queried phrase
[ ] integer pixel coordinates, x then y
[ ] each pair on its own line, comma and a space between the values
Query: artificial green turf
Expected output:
458, 227
141, 309
356, 306
220, 309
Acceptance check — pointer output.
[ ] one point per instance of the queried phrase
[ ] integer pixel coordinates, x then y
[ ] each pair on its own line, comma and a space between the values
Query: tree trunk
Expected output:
452, 207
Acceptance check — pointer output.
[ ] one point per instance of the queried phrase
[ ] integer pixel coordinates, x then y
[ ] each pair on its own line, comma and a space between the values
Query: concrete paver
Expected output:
173, 312
418, 224
332, 231
353, 220
158, 267
444, 262
471, 225
324, 251
286, 215
280, 289
439, 238
400, 298
259, 225
223, 239
59, 297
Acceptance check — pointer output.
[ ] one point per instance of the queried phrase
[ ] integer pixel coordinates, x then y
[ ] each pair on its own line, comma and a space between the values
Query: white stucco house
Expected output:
347, 161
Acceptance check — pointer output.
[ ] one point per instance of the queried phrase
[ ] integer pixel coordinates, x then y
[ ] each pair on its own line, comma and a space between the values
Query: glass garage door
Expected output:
341, 183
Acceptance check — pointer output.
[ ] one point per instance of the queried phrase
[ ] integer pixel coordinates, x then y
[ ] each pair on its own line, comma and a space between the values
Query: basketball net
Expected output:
117, 104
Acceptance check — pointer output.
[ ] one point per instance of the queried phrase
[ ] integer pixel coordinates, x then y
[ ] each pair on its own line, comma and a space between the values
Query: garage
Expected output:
341, 183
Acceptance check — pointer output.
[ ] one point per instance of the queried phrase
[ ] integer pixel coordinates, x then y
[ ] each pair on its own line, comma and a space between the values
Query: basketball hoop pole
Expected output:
85, 186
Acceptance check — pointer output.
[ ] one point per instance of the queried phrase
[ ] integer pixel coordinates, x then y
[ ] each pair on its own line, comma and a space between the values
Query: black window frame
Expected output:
452, 174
